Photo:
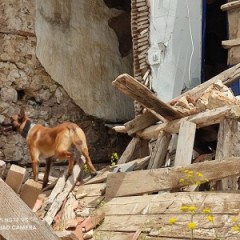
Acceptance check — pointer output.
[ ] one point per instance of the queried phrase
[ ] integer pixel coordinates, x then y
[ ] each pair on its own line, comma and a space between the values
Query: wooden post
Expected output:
160, 151
185, 144
226, 147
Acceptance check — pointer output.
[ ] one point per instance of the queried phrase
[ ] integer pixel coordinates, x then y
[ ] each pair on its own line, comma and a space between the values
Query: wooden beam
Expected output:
201, 119
14, 213
171, 203
185, 144
137, 91
227, 44
140, 122
158, 156
227, 147
230, 6
129, 151
126, 184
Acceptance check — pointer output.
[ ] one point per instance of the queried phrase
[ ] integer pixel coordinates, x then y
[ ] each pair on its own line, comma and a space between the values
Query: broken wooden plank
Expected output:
227, 44
102, 176
137, 91
58, 201
129, 151
159, 226
230, 6
15, 177
91, 190
140, 122
171, 203
26, 225
201, 119
30, 191
154, 180
227, 147
185, 144
160, 151
228, 76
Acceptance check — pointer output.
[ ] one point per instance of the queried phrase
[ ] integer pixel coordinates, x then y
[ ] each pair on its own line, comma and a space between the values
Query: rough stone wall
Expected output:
24, 82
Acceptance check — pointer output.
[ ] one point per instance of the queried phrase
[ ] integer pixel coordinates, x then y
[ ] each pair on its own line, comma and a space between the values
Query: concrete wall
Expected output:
175, 51
80, 51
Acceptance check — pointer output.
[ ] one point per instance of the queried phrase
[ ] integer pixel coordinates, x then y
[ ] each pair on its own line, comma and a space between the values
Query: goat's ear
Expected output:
21, 115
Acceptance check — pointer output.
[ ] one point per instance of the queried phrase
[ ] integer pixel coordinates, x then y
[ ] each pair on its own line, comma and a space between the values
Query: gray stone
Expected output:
9, 94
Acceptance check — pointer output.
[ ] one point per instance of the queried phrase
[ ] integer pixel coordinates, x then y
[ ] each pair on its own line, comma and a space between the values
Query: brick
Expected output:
2, 168
30, 191
15, 177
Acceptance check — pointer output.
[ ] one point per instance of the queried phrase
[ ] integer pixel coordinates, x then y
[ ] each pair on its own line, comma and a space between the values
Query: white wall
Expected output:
175, 56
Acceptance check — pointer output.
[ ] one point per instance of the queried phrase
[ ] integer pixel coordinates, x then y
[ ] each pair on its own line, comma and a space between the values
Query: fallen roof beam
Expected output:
137, 91
154, 180
147, 119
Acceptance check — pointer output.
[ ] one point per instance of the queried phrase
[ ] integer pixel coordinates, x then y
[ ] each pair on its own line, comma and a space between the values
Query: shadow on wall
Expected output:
122, 24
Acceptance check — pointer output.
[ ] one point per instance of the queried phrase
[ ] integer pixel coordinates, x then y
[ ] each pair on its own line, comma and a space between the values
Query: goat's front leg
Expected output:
35, 162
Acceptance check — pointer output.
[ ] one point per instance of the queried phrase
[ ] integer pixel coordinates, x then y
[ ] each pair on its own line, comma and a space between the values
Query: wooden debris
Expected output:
185, 144
30, 191
134, 165
143, 95
159, 154
151, 213
140, 122
129, 151
91, 190
12, 207
56, 205
227, 147
126, 184
93, 221
15, 177
202, 119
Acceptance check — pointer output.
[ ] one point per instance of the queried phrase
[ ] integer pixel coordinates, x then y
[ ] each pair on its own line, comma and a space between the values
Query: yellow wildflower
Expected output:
236, 228
172, 220
192, 225
192, 208
210, 218
181, 180
184, 208
234, 219
206, 210
199, 174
